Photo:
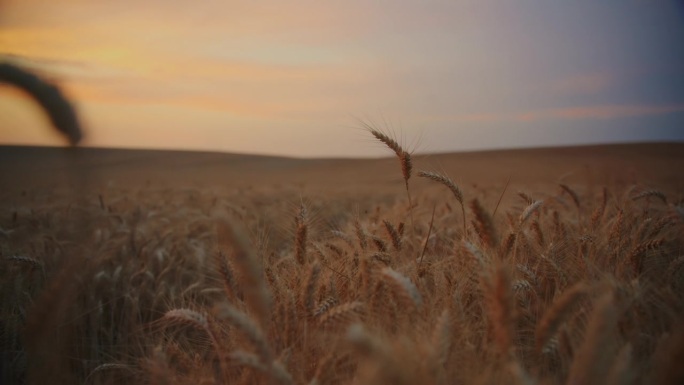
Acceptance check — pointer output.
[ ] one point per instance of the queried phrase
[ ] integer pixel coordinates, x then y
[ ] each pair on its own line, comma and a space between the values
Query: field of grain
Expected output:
541, 266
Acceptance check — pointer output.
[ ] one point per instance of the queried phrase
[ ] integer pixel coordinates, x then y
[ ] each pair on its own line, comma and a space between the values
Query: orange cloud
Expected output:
223, 64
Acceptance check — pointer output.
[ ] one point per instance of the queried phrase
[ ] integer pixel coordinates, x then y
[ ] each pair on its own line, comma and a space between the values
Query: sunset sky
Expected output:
297, 77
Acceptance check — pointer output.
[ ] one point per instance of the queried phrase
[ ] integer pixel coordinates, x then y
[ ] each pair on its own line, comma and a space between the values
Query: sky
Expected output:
299, 78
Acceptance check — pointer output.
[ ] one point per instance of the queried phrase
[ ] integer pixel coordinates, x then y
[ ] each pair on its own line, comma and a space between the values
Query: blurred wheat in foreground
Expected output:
58, 108
574, 285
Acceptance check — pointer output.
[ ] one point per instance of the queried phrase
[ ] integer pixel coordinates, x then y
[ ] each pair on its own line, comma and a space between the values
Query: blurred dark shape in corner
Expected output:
61, 112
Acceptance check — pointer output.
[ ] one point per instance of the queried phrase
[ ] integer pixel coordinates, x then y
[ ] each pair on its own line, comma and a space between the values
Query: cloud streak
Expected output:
598, 112
584, 84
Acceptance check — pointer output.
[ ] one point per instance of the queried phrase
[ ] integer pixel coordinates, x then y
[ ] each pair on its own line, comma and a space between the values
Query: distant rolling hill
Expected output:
660, 163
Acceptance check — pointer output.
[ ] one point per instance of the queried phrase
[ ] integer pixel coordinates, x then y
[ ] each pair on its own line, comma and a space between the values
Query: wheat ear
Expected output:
483, 224
501, 310
309, 288
442, 339
301, 235
446, 181
591, 362
651, 193
198, 320
394, 235
529, 210
249, 328
258, 297
553, 318
404, 159
407, 292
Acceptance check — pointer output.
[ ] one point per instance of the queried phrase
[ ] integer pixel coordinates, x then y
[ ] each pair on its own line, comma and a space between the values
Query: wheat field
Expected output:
532, 267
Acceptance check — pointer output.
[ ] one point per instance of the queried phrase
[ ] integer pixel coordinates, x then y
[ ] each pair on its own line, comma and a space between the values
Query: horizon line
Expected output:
332, 157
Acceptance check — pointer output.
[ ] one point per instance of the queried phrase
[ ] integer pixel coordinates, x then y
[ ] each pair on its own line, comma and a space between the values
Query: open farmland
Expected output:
548, 266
